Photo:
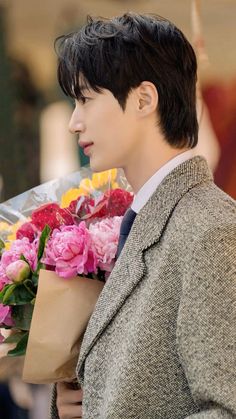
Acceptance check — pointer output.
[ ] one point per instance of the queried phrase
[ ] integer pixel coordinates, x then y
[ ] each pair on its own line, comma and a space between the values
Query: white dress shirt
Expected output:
150, 186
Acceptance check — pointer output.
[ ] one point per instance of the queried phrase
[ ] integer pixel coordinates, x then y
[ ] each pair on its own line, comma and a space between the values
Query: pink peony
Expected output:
27, 230
19, 247
5, 315
70, 250
105, 236
18, 271
3, 278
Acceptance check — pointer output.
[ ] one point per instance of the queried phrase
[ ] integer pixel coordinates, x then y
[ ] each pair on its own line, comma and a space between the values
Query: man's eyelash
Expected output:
83, 99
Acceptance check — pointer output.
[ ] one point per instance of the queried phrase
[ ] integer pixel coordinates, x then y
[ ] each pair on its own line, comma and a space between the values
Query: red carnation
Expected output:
82, 206
26, 230
114, 202
52, 215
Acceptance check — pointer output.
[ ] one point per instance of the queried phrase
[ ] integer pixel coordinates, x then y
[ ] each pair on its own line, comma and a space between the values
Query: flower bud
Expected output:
18, 271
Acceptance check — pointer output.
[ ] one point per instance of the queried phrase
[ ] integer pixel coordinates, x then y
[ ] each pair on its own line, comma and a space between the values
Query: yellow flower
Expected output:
9, 232
86, 185
4, 226
102, 180
13, 230
71, 195
114, 185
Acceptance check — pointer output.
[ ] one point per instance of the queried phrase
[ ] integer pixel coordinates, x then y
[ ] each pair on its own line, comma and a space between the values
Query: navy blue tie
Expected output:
125, 229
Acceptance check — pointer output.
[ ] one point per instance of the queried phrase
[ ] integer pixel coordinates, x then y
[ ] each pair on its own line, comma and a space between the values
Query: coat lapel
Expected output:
146, 230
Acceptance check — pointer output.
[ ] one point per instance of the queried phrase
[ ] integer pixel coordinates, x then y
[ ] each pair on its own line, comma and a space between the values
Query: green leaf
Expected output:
42, 240
35, 278
20, 348
2, 246
18, 296
22, 316
14, 337
4, 290
40, 266
22, 257
28, 285
8, 293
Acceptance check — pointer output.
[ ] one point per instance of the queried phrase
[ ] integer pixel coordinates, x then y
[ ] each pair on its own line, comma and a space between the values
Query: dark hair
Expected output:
118, 54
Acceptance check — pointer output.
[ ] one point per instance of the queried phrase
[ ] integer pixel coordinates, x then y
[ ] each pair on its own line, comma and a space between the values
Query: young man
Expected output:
161, 342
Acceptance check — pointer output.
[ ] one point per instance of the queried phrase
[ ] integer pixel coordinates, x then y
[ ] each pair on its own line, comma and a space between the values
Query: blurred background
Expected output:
35, 145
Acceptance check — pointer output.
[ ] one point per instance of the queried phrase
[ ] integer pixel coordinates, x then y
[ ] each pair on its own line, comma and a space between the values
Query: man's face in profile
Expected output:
108, 134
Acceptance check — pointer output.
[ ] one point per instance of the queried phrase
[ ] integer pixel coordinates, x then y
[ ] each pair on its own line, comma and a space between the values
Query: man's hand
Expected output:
69, 401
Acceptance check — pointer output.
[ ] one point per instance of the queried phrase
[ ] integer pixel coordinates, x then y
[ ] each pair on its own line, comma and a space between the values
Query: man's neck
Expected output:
140, 170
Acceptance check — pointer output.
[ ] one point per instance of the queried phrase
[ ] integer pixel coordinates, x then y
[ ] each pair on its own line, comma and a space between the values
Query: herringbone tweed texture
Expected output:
161, 343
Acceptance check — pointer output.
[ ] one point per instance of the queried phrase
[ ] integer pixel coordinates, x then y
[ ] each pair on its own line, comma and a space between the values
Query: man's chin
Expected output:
100, 167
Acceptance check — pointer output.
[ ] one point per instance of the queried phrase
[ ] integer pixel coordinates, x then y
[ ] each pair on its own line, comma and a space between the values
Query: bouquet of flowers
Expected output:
55, 259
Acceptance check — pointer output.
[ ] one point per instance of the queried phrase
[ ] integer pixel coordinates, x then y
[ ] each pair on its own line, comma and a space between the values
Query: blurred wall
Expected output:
20, 106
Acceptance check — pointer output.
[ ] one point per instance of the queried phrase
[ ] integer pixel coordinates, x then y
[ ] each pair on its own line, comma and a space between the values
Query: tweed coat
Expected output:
161, 343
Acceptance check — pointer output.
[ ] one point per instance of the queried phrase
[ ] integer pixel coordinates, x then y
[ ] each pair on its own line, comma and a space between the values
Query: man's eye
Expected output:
83, 99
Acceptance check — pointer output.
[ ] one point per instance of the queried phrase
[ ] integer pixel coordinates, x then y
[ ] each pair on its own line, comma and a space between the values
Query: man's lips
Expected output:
85, 146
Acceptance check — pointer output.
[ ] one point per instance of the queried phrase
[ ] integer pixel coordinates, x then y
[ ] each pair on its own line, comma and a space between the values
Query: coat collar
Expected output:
146, 230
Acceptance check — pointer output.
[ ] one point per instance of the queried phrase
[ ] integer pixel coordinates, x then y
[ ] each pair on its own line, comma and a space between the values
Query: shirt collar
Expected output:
146, 191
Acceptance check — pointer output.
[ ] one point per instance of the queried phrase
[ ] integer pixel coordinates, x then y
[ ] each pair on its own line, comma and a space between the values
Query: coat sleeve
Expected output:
206, 324
53, 406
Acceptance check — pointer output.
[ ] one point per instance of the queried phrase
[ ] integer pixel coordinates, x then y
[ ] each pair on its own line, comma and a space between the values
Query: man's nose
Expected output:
76, 125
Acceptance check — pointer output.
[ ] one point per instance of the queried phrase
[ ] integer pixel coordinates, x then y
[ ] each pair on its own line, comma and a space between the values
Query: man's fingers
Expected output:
70, 411
67, 394
69, 401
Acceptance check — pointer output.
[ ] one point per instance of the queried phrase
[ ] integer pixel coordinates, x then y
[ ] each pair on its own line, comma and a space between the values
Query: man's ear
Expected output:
146, 98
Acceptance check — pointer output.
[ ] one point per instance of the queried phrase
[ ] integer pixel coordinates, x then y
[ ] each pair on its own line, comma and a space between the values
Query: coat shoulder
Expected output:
204, 208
